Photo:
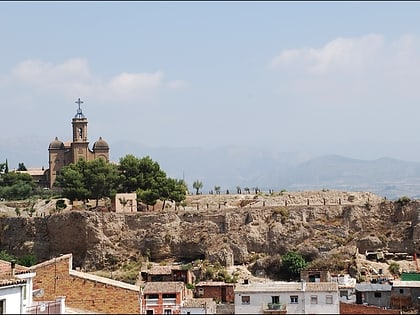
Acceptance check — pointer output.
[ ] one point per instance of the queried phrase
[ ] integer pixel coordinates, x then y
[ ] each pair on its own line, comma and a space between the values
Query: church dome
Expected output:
100, 145
56, 144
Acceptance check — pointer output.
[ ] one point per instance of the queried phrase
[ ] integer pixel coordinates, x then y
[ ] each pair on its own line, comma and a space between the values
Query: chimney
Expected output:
12, 266
303, 285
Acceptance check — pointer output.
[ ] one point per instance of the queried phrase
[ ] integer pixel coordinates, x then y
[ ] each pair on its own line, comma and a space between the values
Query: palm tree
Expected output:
197, 185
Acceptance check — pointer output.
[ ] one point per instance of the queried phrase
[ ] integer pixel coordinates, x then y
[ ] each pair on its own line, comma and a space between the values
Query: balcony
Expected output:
275, 308
169, 301
151, 302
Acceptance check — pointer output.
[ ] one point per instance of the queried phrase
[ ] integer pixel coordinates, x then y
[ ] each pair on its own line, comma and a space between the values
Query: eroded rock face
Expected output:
231, 234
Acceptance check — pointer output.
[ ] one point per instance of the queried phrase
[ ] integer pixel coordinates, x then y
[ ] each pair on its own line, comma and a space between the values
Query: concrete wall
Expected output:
83, 291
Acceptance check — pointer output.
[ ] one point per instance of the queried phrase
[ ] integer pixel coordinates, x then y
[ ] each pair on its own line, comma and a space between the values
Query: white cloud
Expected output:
74, 77
341, 54
364, 70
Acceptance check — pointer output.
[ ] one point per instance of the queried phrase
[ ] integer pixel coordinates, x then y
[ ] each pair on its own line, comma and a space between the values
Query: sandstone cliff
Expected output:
230, 229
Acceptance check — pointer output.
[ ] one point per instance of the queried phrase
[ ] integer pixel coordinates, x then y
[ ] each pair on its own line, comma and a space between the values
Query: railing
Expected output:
51, 307
275, 308
152, 301
169, 301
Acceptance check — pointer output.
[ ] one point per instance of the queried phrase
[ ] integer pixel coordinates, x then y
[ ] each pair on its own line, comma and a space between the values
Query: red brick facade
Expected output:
83, 291
364, 309
218, 291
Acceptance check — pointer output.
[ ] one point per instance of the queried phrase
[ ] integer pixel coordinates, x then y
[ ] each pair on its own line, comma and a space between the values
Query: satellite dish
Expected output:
38, 293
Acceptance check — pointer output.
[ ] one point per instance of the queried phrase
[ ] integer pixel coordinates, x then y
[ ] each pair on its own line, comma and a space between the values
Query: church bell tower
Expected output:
80, 144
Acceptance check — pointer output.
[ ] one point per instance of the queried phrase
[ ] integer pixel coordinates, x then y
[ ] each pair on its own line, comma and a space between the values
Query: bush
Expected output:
60, 204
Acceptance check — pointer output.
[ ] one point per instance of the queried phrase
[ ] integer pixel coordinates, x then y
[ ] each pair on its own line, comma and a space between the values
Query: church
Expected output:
70, 152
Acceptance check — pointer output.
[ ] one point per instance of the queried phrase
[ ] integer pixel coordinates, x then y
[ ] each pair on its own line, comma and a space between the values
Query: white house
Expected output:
278, 297
11, 296
199, 306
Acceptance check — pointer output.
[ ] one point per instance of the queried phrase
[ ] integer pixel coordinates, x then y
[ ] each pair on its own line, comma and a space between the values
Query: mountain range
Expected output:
234, 166
265, 168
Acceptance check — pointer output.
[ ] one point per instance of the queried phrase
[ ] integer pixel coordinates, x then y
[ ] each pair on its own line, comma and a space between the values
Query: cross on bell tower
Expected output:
79, 113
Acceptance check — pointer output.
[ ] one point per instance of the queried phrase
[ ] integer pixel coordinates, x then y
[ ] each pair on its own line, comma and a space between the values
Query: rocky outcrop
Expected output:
231, 233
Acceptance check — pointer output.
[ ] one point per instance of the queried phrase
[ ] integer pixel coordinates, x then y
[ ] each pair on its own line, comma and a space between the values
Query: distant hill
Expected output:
230, 167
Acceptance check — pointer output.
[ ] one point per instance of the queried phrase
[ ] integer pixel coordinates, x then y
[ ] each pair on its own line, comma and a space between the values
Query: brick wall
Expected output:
218, 293
91, 295
364, 309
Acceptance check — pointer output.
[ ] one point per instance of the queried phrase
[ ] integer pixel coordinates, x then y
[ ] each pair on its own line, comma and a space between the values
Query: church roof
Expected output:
56, 144
100, 145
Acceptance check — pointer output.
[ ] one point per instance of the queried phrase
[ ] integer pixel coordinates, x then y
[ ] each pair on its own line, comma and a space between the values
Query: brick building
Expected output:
217, 290
55, 277
165, 297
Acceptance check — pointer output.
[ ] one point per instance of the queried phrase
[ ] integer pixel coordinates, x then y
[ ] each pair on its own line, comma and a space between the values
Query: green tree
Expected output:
101, 179
72, 182
22, 167
197, 185
292, 263
217, 189
16, 186
173, 190
93, 179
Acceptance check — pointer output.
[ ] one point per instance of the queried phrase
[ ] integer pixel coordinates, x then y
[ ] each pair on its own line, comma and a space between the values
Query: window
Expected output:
152, 296
294, 299
378, 294
401, 291
275, 299
149, 312
246, 299
200, 292
2, 306
329, 299
314, 299
167, 312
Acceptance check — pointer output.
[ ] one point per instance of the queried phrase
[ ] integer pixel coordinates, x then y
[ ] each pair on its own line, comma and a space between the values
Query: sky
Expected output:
322, 77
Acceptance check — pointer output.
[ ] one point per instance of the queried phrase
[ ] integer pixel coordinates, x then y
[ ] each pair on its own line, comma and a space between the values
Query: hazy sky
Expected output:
323, 77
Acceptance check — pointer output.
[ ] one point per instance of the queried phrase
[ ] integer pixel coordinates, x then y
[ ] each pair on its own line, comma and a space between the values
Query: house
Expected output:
404, 294
346, 287
280, 297
199, 306
15, 288
166, 297
168, 273
217, 290
55, 278
378, 294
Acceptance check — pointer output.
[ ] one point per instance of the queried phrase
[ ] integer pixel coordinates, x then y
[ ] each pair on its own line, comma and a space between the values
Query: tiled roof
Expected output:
8, 282
372, 287
274, 286
160, 270
321, 286
163, 287
213, 284
198, 302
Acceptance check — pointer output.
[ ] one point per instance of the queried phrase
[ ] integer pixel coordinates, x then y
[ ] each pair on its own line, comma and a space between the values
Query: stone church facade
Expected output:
64, 153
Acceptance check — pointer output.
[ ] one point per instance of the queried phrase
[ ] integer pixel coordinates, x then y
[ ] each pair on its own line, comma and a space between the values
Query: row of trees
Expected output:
197, 185
97, 179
